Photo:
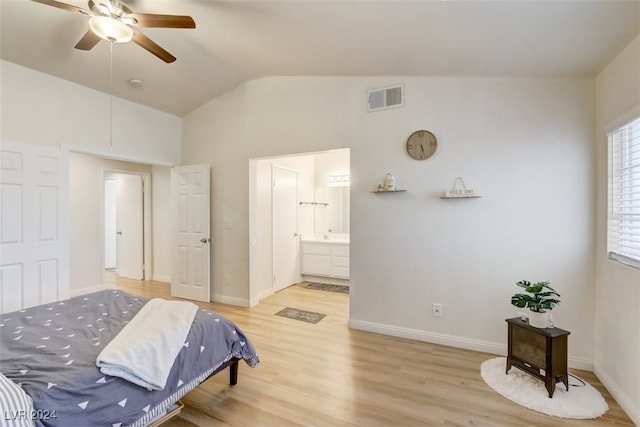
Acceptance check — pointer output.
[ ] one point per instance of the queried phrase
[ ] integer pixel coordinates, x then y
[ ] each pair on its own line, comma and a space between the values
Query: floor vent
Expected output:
385, 98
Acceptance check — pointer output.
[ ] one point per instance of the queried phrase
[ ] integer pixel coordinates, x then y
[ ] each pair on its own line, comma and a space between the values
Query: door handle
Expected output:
119, 233
205, 240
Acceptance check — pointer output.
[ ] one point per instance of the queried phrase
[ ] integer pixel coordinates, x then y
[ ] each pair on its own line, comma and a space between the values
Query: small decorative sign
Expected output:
460, 190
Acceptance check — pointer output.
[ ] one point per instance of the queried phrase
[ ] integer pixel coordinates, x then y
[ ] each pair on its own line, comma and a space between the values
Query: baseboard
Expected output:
327, 280
431, 337
580, 363
223, 299
628, 405
160, 278
265, 294
449, 340
86, 290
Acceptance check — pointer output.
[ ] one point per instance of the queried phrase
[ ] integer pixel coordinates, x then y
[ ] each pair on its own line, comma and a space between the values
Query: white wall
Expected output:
525, 144
161, 223
617, 316
42, 109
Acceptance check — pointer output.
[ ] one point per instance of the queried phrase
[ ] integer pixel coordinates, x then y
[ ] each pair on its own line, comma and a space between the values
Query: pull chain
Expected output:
110, 96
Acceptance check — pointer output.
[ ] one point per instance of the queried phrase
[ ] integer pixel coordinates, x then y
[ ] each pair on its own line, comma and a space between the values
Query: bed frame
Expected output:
233, 370
233, 380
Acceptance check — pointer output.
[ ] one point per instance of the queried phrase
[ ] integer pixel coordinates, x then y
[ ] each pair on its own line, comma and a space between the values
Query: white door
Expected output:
190, 207
129, 226
286, 268
34, 242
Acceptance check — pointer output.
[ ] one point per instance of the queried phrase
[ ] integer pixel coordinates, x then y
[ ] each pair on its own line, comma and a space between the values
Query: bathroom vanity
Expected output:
325, 257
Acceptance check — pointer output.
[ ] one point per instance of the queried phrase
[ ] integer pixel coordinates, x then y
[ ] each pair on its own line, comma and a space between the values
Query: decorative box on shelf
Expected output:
388, 186
460, 191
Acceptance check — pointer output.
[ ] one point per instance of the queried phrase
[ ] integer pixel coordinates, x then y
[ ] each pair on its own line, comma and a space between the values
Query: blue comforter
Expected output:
51, 350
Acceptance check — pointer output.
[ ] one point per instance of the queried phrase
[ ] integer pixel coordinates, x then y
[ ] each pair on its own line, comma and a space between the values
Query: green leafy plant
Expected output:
539, 297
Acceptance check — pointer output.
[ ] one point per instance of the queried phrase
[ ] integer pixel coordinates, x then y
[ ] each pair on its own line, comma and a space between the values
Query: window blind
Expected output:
623, 224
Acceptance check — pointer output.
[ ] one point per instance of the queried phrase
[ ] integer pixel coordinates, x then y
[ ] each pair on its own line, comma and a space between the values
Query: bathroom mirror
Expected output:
334, 217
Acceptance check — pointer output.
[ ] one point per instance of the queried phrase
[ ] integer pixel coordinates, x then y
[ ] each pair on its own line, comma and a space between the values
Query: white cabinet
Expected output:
320, 258
316, 258
340, 260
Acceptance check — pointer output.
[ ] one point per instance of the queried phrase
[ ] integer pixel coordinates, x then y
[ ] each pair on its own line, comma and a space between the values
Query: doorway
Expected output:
191, 231
315, 171
284, 208
127, 245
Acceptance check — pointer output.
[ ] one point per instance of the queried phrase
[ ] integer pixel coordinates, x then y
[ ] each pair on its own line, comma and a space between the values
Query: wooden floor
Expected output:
326, 374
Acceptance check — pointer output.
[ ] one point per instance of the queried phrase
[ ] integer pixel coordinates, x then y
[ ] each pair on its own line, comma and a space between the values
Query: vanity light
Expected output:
339, 179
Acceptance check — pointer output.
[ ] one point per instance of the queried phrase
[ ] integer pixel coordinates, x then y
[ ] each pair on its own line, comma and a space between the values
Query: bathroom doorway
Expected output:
322, 201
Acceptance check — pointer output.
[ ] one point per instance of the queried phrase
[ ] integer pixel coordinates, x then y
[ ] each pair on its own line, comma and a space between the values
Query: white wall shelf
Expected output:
388, 191
475, 196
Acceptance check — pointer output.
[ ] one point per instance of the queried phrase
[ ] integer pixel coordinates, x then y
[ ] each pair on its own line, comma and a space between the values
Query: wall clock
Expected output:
421, 144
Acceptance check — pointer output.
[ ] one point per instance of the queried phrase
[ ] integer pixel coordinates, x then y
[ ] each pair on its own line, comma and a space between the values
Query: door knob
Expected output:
205, 240
119, 232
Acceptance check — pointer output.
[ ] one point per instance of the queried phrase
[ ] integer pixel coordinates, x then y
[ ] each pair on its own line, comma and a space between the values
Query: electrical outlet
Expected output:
436, 310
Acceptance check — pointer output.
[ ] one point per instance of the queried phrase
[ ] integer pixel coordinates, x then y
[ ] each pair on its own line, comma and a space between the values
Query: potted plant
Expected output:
540, 298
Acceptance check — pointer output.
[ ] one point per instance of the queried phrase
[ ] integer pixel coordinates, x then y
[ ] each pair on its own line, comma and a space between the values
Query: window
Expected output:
623, 223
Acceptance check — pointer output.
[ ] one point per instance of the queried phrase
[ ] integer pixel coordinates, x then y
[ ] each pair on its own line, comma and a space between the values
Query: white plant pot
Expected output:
539, 319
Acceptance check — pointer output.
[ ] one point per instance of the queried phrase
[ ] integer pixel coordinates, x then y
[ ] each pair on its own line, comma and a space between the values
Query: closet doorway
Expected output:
126, 223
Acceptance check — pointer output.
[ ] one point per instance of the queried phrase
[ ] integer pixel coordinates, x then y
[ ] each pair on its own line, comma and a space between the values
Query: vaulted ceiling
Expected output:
236, 41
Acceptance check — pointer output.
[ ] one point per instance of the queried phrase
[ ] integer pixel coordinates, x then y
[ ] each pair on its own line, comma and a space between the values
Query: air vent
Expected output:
385, 98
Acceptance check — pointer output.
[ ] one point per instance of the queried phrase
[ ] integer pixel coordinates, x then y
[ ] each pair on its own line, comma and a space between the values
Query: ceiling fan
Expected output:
113, 21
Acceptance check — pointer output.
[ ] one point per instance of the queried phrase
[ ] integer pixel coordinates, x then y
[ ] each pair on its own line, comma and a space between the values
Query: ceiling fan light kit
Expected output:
110, 29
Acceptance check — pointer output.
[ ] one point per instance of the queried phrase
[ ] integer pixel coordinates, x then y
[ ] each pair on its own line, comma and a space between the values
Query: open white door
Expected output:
34, 211
192, 239
129, 225
286, 269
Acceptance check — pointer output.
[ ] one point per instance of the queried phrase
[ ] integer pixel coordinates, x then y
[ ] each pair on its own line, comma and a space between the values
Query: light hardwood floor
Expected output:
326, 374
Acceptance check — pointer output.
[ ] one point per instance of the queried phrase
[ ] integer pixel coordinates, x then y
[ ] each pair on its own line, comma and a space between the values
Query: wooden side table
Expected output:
541, 352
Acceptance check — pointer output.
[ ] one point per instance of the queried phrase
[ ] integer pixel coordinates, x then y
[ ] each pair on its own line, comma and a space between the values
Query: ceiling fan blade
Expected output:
88, 41
152, 47
99, 8
61, 5
162, 21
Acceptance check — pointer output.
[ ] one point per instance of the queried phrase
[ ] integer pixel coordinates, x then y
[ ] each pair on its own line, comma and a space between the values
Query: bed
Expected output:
50, 352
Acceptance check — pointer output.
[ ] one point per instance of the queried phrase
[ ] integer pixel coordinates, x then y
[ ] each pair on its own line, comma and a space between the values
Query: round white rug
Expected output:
581, 402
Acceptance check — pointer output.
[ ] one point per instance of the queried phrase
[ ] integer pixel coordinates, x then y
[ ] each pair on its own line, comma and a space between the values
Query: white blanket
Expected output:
144, 350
